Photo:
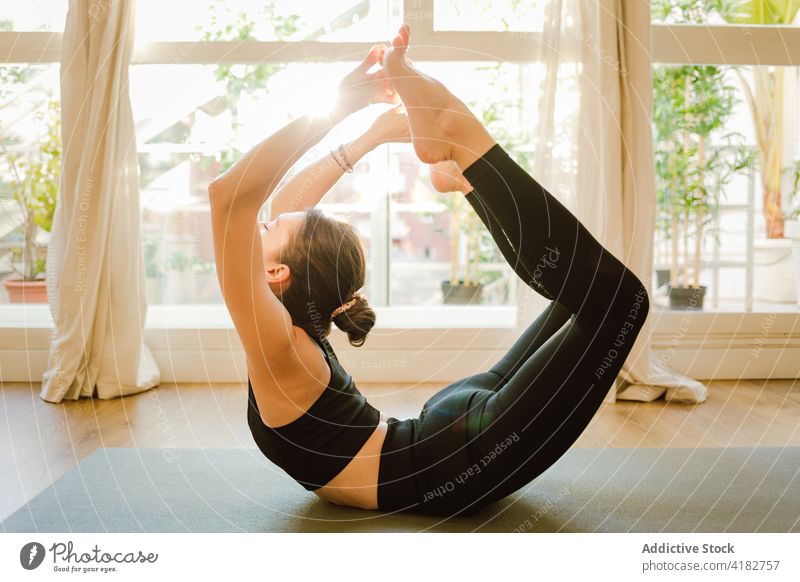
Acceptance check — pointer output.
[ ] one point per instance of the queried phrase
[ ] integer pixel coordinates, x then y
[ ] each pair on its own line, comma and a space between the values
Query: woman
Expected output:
480, 438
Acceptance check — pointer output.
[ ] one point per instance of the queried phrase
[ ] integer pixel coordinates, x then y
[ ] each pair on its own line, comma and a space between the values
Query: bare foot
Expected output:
442, 127
446, 177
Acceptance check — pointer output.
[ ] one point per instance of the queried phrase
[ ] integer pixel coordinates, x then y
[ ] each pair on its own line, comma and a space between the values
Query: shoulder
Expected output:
287, 382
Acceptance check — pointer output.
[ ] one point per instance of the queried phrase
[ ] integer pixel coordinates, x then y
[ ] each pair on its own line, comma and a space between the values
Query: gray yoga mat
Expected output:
587, 490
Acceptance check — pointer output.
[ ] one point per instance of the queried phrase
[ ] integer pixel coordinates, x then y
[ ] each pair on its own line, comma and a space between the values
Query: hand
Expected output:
359, 88
390, 126
447, 177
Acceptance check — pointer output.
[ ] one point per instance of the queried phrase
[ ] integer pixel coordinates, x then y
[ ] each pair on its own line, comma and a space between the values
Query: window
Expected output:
29, 130
480, 15
232, 71
416, 244
33, 15
727, 132
740, 267
273, 20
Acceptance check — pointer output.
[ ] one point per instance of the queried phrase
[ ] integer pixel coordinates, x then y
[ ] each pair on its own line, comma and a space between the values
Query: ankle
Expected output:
466, 153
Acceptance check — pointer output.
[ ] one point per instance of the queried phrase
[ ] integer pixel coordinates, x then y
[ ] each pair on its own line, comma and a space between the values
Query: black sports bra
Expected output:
314, 448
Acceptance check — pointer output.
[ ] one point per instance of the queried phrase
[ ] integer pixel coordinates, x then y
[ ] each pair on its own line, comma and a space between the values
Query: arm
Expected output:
309, 185
262, 322
250, 181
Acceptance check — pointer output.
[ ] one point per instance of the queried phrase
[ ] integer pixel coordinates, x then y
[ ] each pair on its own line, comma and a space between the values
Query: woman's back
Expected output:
317, 429
285, 390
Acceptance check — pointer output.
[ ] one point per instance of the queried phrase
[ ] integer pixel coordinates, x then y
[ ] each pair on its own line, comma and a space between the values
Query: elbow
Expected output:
214, 187
217, 193
224, 195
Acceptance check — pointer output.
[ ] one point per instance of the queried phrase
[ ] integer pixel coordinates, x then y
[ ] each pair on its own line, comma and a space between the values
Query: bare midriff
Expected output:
357, 484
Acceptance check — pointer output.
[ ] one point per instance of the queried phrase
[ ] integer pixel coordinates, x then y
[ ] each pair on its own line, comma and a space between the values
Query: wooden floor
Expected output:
40, 441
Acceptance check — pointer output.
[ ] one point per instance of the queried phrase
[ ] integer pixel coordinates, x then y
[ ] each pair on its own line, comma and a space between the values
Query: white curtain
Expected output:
594, 150
95, 266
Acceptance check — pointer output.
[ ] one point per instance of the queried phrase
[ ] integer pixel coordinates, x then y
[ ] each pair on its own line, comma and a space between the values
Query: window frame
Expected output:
671, 44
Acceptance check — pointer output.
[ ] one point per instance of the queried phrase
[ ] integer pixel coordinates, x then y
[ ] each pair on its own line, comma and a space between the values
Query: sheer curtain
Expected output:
95, 266
594, 150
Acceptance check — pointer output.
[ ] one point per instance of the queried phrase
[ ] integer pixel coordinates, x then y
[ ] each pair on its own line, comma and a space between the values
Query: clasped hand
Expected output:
360, 88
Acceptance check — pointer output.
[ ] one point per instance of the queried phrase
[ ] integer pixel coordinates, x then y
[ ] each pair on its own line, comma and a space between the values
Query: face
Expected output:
274, 236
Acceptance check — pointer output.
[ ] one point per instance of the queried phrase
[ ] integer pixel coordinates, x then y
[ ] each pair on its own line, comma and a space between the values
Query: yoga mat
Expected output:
587, 490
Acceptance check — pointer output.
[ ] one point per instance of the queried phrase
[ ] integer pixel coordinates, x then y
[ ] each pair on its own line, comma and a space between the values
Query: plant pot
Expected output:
774, 271
20, 291
686, 297
461, 294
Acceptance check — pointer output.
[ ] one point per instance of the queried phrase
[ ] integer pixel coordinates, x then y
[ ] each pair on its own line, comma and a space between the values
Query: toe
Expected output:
398, 43
402, 37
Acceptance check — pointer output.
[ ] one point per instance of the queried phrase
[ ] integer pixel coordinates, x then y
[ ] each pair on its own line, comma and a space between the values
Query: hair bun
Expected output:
357, 320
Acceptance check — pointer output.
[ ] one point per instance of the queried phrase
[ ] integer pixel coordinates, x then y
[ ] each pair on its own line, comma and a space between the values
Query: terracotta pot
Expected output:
20, 291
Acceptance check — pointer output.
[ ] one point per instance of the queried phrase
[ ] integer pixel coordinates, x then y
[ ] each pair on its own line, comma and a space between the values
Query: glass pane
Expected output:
440, 249
33, 15
731, 283
214, 114
483, 15
290, 20
713, 184
743, 12
30, 156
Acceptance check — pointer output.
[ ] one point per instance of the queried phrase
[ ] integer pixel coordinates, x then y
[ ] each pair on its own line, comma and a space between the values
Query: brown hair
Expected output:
328, 267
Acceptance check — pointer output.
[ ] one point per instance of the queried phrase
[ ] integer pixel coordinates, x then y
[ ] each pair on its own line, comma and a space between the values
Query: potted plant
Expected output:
466, 234
471, 244
765, 98
764, 92
34, 186
691, 106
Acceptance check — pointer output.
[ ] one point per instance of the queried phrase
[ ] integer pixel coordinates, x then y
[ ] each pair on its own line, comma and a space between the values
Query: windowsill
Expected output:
500, 317
176, 327
161, 317
434, 343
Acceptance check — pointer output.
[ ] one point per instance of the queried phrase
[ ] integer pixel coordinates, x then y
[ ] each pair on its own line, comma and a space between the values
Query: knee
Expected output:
616, 295
634, 305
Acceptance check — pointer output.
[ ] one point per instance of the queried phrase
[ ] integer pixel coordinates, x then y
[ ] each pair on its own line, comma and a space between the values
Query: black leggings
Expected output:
487, 435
